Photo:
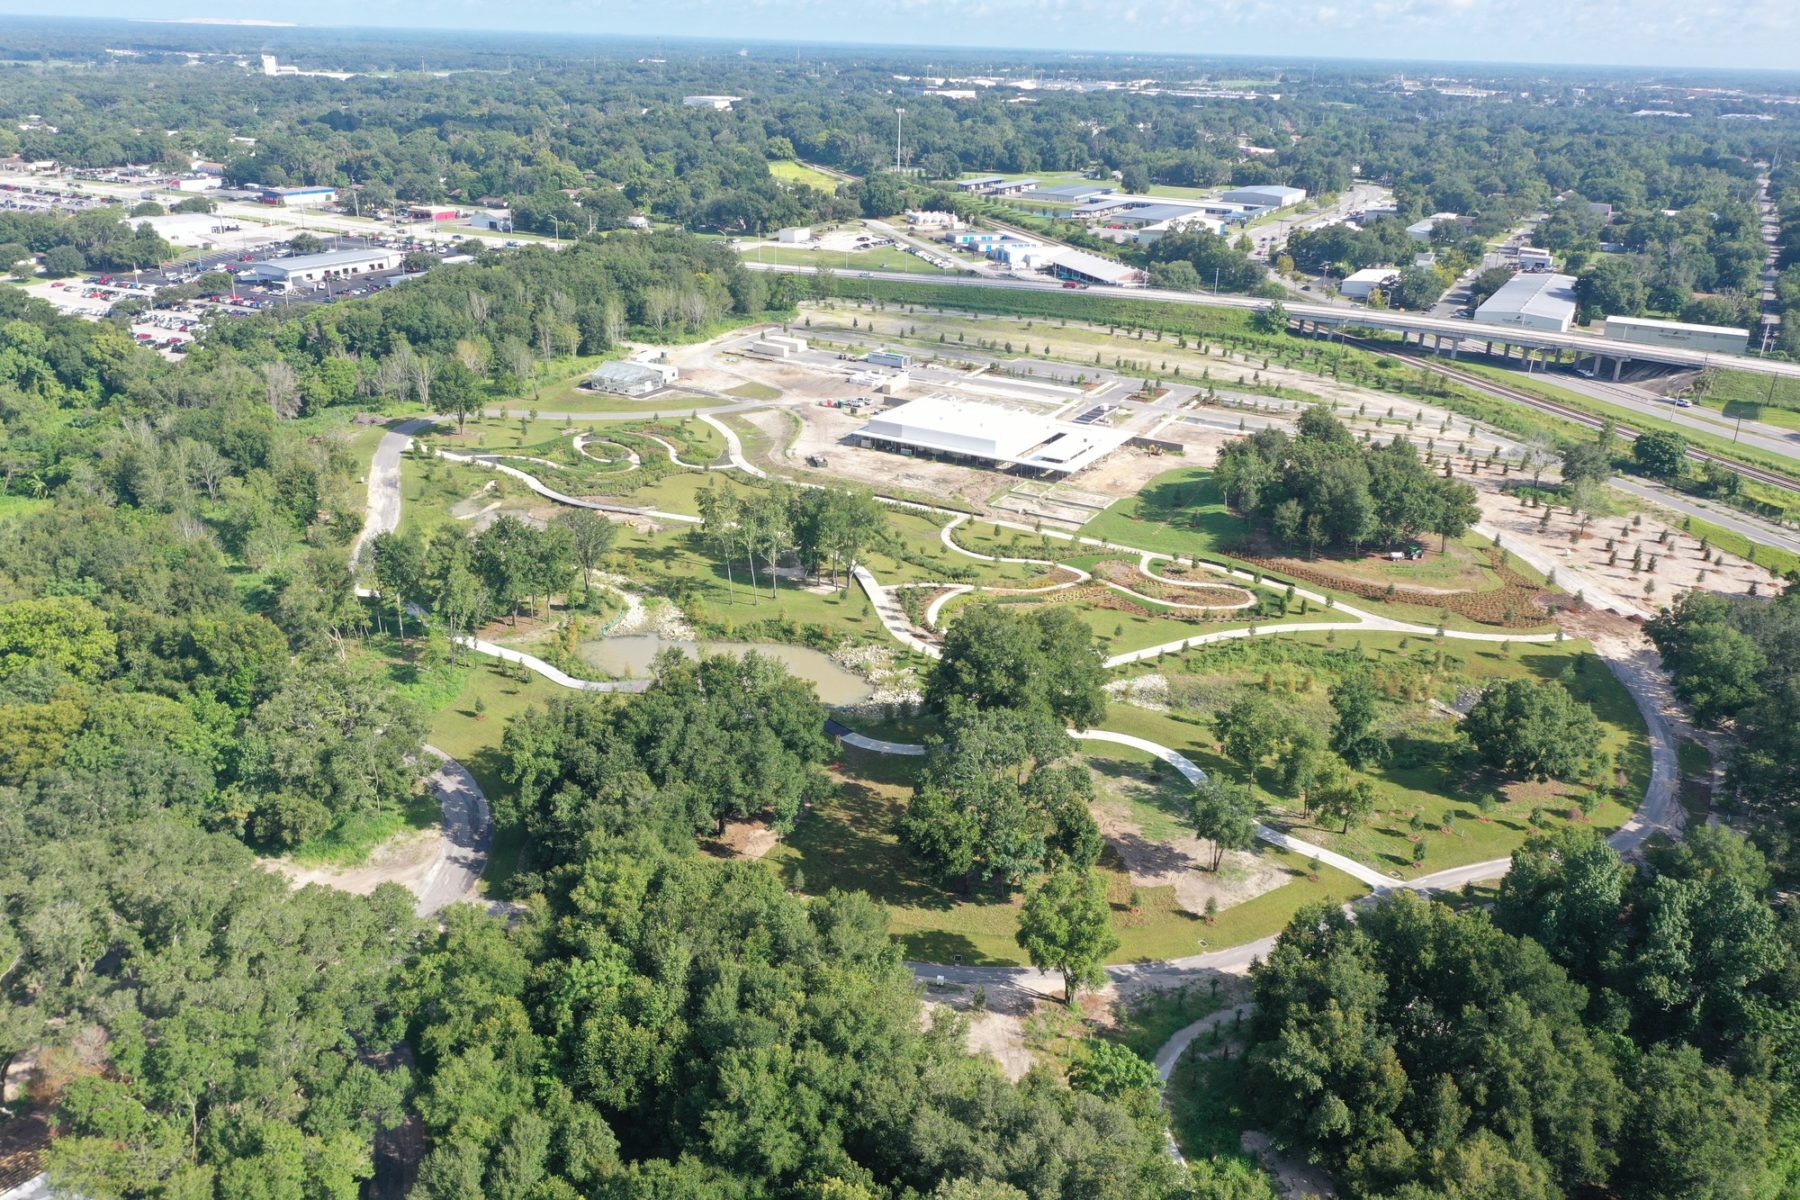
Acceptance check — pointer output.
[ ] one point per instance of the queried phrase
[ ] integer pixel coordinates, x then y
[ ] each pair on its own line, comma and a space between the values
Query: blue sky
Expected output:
1705, 33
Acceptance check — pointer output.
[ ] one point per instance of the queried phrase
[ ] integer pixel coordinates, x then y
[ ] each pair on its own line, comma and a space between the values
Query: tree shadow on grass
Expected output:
946, 948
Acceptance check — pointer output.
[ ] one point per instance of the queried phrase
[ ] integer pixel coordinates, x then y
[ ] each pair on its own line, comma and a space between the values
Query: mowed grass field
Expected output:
851, 842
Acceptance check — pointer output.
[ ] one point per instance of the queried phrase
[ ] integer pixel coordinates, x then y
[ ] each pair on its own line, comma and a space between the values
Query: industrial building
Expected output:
632, 378
978, 183
1542, 302
199, 231
1269, 195
1078, 266
298, 197
1420, 231
776, 345
794, 235
888, 358
932, 219
964, 430
1364, 283
1012, 187
716, 103
312, 269
1069, 193
1714, 339
1531, 258
498, 220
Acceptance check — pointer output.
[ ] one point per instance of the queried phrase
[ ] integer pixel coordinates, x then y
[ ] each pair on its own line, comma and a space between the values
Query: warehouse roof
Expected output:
1006, 436
1546, 296
1150, 214
626, 374
1072, 191
1091, 266
329, 260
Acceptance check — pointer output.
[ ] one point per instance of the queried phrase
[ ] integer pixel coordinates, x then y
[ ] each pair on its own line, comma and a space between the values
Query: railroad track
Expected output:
1578, 416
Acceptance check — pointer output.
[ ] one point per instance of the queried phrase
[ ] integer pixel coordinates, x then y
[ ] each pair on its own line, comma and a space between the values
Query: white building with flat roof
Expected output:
309, 269
989, 434
1362, 284
1542, 302
1266, 195
794, 235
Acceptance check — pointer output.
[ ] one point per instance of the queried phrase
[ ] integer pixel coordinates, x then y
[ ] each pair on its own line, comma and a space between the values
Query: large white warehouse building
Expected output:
1542, 302
942, 426
1268, 195
317, 268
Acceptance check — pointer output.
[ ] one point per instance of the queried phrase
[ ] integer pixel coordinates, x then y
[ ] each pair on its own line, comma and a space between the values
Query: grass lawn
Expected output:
1152, 1018
754, 391
1431, 773
791, 170
1777, 398
668, 563
1180, 512
876, 258
851, 842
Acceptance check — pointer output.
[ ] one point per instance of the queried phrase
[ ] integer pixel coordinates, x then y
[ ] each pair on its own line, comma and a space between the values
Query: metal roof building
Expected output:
1083, 267
1543, 302
1270, 195
631, 378
316, 268
979, 183
989, 433
1069, 191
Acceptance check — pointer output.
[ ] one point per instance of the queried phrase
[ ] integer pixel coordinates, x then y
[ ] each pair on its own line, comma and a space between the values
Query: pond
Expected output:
631, 656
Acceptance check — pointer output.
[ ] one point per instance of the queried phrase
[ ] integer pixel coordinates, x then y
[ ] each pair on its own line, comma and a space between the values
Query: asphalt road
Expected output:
1414, 323
468, 835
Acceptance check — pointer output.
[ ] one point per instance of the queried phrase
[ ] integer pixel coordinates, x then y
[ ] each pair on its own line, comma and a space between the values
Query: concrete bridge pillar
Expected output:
1618, 366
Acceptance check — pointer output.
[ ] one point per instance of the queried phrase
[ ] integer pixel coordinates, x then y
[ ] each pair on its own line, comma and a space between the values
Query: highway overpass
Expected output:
1446, 335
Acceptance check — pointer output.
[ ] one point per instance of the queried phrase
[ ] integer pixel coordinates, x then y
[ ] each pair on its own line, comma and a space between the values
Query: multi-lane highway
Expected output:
1452, 330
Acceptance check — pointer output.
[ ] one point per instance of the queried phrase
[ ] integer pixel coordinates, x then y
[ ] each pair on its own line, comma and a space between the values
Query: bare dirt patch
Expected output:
745, 839
405, 859
1180, 862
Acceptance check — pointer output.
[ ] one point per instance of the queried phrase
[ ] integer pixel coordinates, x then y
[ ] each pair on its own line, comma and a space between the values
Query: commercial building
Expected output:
198, 231
978, 183
312, 269
1078, 266
1541, 302
1533, 259
428, 213
1420, 231
1069, 193
988, 434
299, 197
932, 219
794, 235
1714, 339
496, 220
888, 358
1012, 187
632, 378
1363, 283
716, 103
1266, 196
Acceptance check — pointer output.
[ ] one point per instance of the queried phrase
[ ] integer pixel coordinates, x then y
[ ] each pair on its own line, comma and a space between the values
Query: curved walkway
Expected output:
734, 447
491, 461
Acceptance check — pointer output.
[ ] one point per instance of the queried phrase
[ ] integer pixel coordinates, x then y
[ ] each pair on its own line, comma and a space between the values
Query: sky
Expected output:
1670, 33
